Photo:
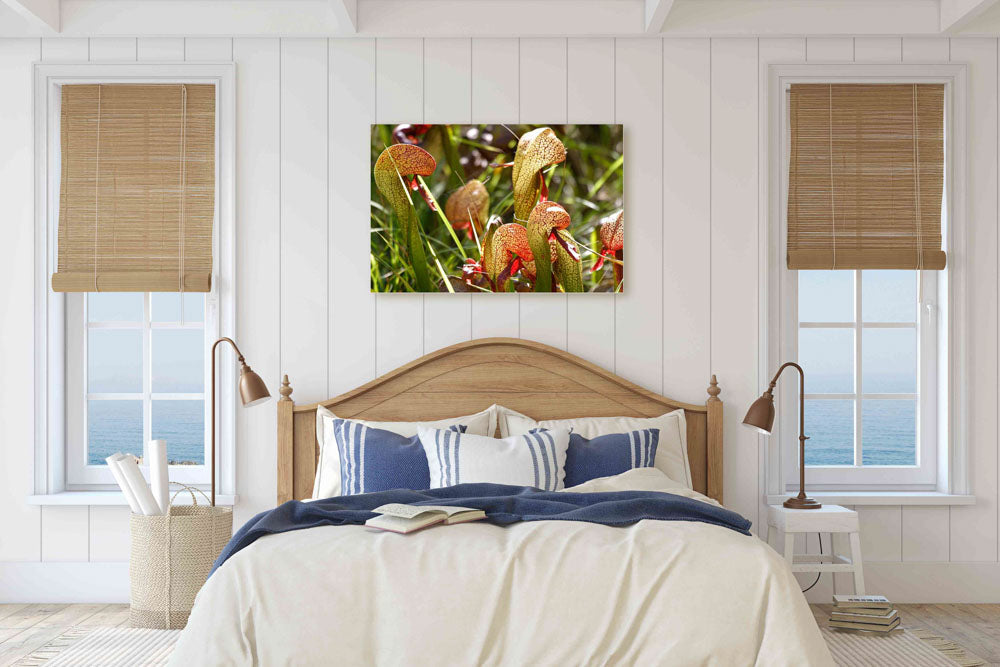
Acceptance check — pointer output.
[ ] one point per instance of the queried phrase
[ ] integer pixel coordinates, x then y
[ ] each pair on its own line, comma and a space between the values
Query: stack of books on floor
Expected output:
864, 613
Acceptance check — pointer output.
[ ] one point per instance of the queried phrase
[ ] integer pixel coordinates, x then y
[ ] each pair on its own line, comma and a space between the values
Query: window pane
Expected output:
114, 307
826, 296
889, 361
178, 360
830, 427
166, 307
827, 357
114, 360
194, 307
889, 296
182, 425
113, 426
889, 432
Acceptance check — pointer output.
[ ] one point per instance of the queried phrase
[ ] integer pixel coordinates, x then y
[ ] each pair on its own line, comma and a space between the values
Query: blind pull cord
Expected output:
97, 189
833, 199
916, 182
180, 222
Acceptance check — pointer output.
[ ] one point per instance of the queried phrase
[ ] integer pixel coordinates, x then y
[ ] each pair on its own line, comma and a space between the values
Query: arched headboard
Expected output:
535, 379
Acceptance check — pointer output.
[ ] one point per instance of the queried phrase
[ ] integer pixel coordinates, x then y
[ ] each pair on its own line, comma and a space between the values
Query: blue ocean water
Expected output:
889, 430
116, 426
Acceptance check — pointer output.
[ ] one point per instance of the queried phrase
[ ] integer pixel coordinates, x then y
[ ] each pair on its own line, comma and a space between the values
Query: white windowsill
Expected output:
114, 498
881, 498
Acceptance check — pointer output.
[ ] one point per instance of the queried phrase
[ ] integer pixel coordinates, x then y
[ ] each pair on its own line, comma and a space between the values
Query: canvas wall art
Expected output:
497, 208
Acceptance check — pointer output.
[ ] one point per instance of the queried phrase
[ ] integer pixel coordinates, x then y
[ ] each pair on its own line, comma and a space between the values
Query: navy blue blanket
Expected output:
502, 503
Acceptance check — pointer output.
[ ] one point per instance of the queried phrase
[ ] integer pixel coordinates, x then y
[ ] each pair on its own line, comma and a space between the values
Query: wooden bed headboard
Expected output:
535, 379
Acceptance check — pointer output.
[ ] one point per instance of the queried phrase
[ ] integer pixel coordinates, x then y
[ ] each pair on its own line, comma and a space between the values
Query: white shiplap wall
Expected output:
693, 178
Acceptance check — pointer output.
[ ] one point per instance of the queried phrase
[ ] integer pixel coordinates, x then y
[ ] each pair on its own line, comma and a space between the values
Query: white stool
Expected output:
827, 519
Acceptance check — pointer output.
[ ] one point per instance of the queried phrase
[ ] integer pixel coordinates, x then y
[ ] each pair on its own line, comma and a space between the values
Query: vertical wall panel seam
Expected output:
663, 231
996, 376
518, 122
472, 96
711, 128
281, 136
757, 378
423, 119
566, 120
614, 288
329, 222
375, 296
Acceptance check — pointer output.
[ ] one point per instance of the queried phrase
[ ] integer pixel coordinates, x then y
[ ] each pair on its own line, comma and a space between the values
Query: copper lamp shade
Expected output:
252, 391
252, 388
760, 416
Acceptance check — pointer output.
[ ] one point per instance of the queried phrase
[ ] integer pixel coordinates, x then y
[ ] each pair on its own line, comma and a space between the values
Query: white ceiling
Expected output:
501, 18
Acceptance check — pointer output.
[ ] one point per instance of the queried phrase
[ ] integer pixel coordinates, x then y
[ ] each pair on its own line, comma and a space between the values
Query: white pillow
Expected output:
533, 459
671, 452
327, 482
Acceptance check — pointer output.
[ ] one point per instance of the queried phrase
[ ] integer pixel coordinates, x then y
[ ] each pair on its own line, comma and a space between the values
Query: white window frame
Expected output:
52, 309
80, 473
943, 445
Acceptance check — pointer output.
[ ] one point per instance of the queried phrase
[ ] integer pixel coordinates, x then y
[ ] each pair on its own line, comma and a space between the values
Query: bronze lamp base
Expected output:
802, 504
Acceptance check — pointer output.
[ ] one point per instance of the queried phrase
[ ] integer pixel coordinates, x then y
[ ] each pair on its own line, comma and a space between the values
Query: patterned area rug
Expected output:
105, 647
114, 647
902, 648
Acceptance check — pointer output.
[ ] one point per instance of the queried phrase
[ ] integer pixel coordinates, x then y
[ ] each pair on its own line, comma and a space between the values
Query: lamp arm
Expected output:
802, 420
242, 361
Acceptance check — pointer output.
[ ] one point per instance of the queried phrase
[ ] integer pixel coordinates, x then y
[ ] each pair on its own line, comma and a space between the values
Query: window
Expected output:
138, 372
882, 347
867, 339
114, 369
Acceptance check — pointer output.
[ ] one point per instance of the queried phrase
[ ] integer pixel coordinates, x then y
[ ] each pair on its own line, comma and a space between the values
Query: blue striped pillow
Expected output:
610, 454
372, 459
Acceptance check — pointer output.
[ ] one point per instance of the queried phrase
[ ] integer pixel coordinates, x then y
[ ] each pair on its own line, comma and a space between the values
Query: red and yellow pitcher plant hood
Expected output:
391, 169
536, 150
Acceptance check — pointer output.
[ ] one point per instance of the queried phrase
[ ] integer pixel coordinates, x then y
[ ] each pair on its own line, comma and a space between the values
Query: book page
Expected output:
405, 511
449, 510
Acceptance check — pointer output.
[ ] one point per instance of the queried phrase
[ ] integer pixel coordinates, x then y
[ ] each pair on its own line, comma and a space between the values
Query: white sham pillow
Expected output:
327, 482
671, 452
532, 459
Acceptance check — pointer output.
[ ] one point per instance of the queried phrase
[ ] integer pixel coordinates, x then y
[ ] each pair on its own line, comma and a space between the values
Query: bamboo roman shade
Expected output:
866, 176
137, 192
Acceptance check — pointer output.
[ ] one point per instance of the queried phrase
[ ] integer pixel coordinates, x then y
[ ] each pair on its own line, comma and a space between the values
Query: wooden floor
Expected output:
976, 627
26, 627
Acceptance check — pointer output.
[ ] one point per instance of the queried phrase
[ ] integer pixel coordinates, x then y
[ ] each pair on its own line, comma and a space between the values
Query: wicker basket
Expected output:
171, 558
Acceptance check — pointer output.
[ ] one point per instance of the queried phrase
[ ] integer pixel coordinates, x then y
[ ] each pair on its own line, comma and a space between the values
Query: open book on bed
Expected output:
402, 518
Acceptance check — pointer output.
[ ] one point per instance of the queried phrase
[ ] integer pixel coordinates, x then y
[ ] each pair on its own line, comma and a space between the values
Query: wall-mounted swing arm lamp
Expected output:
760, 416
252, 391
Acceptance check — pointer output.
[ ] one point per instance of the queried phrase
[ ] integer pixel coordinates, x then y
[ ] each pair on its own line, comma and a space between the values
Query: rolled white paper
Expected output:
113, 466
134, 478
158, 474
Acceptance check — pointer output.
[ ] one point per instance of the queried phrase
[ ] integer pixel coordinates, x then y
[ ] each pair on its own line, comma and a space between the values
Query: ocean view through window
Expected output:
145, 374
858, 341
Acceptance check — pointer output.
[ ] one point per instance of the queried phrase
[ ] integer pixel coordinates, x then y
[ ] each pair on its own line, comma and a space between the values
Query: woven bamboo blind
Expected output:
137, 193
866, 176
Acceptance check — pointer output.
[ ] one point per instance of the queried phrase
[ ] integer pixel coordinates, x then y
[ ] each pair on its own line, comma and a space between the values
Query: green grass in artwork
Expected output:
497, 208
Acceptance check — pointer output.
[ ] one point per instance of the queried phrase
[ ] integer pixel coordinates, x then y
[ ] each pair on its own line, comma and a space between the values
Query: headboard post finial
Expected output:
285, 390
713, 389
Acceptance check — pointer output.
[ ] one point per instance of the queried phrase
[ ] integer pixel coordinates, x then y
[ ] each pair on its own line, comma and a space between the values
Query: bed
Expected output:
545, 592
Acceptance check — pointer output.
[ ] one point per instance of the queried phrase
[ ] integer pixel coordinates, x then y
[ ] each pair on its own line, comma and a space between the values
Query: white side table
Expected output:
827, 519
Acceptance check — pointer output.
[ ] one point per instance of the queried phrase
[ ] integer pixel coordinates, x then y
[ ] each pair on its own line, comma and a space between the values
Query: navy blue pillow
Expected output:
610, 454
372, 459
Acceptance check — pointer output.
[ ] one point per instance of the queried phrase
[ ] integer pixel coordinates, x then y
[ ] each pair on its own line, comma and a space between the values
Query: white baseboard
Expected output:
53, 583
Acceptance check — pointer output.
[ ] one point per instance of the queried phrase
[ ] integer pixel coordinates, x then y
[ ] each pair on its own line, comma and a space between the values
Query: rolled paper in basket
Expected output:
158, 476
134, 478
113, 466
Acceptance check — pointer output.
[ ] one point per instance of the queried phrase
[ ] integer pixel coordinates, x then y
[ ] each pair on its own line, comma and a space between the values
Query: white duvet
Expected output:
538, 593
